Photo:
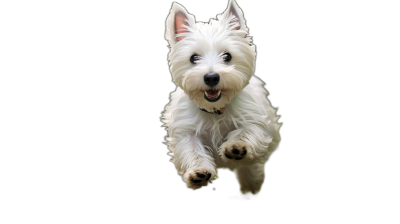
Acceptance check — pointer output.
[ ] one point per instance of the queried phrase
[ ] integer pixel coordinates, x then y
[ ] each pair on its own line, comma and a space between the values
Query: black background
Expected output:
125, 84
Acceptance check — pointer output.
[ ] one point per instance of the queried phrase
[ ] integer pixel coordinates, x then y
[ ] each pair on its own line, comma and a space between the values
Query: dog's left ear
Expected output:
234, 15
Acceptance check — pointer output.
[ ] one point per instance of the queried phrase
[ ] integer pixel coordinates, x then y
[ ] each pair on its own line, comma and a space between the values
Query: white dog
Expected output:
219, 114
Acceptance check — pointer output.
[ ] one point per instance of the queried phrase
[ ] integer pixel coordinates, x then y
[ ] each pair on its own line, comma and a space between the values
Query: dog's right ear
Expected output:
179, 23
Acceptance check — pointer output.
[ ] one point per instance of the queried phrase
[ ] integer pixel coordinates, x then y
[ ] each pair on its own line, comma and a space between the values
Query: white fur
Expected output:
198, 140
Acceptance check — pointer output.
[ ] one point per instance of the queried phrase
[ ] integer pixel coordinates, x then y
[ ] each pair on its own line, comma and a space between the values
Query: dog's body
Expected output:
219, 115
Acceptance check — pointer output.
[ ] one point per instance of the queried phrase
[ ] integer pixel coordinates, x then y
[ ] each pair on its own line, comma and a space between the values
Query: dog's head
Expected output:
211, 61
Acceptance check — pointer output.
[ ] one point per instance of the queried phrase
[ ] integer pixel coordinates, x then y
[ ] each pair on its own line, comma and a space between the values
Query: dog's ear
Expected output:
179, 23
233, 16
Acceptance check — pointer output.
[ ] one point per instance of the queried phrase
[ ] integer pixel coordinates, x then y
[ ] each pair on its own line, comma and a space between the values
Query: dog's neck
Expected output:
220, 111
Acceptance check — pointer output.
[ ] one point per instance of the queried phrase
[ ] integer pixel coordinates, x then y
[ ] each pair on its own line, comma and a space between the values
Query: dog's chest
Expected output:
215, 133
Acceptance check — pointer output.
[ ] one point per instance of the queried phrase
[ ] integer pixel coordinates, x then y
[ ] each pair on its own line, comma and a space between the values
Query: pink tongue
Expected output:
212, 93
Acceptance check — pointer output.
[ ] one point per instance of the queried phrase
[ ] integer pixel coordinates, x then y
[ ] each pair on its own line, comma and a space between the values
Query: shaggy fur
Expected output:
241, 138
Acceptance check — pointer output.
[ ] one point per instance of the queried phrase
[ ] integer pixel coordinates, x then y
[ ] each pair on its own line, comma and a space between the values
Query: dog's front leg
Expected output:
194, 163
246, 145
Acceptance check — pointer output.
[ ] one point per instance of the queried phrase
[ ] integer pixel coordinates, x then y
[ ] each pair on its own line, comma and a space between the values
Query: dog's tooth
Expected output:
219, 92
206, 93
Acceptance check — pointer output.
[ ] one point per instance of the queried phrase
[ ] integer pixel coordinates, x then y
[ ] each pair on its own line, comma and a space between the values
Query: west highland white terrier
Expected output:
219, 115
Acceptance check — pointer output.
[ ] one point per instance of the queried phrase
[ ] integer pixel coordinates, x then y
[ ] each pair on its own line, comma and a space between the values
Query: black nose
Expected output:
211, 79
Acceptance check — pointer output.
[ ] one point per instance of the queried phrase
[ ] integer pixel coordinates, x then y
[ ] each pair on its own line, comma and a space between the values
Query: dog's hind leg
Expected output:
251, 177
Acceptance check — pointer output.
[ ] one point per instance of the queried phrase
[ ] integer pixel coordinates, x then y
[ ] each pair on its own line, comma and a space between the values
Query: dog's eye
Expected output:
227, 57
194, 58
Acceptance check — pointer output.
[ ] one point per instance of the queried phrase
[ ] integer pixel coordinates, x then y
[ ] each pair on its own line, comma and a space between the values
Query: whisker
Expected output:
235, 87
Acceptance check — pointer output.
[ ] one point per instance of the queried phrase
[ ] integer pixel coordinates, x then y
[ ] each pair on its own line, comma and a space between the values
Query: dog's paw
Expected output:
197, 177
236, 151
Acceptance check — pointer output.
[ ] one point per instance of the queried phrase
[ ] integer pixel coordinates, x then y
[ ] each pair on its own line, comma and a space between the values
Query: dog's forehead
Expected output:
210, 28
210, 37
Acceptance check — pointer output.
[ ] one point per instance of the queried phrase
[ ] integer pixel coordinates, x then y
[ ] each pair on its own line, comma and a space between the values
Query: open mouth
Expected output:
212, 95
